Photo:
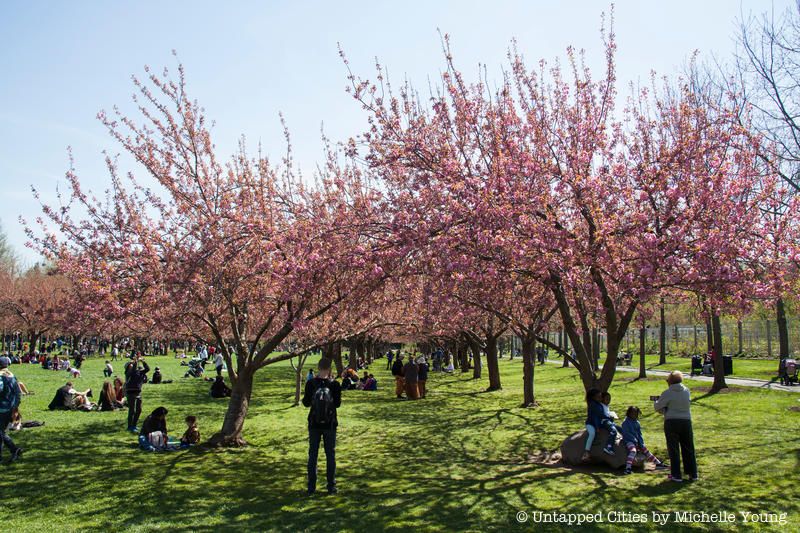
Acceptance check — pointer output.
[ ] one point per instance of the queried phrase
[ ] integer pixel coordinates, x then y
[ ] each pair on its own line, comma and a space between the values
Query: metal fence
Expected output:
758, 338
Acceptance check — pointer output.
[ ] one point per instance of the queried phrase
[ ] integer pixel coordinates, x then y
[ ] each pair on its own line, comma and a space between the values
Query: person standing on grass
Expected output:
397, 372
674, 403
135, 377
422, 377
323, 395
389, 357
10, 396
411, 377
219, 362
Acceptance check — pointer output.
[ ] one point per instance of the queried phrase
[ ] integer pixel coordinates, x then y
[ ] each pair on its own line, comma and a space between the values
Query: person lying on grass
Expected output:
68, 399
634, 441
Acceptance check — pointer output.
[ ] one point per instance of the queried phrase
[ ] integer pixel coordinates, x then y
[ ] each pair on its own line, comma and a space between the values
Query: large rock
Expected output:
573, 446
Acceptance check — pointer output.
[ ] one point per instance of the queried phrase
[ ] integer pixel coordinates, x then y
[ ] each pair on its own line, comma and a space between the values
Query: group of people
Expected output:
411, 377
674, 403
351, 381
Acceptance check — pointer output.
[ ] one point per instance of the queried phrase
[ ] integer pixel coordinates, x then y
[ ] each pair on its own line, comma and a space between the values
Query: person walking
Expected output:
323, 395
411, 377
389, 357
10, 396
397, 372
674, 403
135, 377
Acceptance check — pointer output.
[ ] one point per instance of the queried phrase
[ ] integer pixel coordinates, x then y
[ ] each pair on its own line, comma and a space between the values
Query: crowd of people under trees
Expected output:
531, 207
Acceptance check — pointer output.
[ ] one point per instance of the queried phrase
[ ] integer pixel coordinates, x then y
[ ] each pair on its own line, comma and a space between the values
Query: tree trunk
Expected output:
783, 330
336, 352
232, 425
492, 364
477, 367
719, 368
528, 369
565, 364
642, 343
739, 335
463, 358
709, 335
34, 337
662, 338
298, 383
596, 348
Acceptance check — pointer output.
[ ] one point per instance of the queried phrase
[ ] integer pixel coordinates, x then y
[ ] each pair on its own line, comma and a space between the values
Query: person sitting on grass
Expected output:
219, 389
108, 370
192, 434
68, 399
598, 417
153, 435
119, 390
108, 398
634, 441
371, 384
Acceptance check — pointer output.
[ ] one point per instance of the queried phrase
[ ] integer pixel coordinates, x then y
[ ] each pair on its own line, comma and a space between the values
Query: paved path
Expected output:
739, 382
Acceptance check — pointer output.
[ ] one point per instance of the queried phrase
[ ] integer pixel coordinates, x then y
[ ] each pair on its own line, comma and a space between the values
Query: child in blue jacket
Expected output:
598, 417
632, 437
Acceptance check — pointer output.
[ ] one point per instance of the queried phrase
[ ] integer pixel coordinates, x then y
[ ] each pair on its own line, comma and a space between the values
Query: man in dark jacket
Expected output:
135, 377
397, 372
323, 395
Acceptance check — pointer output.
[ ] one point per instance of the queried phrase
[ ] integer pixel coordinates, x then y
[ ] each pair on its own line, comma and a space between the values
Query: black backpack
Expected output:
322, 409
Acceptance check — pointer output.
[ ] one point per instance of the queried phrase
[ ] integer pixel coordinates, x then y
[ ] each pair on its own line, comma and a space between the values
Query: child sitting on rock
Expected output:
632, 437
598, 417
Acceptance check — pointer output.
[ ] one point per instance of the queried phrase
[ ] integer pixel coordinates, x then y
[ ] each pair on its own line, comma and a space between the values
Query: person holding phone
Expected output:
674, 403
135, 376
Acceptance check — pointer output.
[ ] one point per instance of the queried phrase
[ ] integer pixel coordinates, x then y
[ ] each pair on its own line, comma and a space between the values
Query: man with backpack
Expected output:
9, 401
323, 395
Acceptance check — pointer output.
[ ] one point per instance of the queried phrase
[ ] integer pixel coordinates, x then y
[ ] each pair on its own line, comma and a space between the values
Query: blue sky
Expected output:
61, 62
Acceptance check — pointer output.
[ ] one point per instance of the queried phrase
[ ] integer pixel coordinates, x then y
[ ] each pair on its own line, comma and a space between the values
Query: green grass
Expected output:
462, 460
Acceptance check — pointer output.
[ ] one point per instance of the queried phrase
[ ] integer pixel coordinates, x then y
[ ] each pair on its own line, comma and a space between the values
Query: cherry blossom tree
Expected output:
244, 252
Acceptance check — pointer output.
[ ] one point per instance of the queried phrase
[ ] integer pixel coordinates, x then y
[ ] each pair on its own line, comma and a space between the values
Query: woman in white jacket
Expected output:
674, 403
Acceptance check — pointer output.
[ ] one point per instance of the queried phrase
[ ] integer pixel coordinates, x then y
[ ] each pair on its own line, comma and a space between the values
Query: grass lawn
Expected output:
461, 460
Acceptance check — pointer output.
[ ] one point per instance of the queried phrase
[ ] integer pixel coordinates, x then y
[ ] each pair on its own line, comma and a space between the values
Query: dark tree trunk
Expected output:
719, 368
232, 425
596, 348
477, 367
565, 364
298, 384
463, 358
34, 338
739, 335
642, 343
662, 337
492, 364
337, 357
709, 336
783, 330
528, 369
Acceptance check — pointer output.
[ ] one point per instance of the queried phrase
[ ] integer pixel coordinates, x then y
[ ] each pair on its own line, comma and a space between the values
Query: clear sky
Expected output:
61, 62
